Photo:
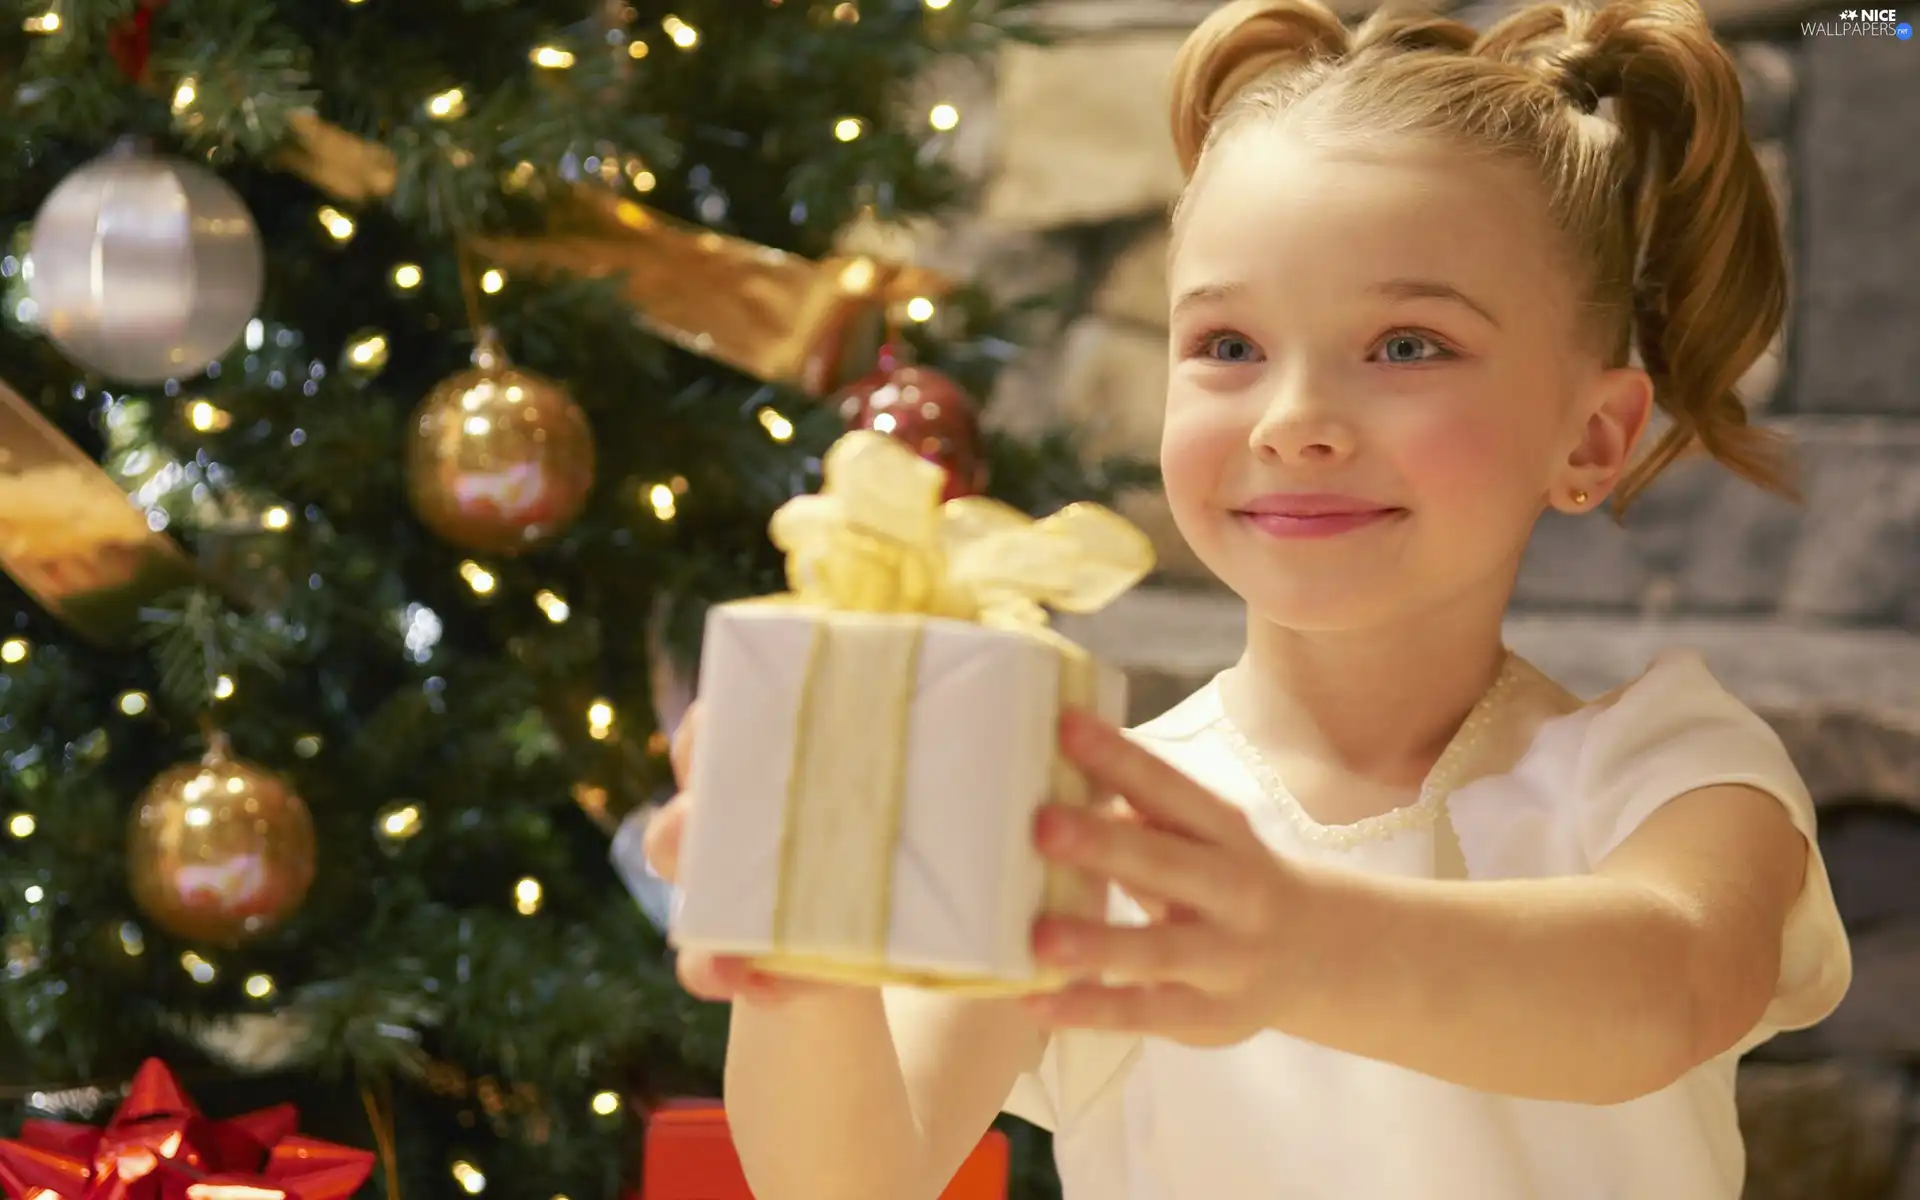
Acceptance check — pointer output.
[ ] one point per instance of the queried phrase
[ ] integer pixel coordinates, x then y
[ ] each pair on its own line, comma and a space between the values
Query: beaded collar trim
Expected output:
1441, 781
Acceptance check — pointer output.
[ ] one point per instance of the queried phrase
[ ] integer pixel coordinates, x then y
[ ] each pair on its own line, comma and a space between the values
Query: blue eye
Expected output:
1229, 348
1408, 347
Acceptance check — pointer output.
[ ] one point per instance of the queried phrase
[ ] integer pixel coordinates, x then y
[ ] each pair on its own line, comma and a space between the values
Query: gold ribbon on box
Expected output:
878, 540
775, 316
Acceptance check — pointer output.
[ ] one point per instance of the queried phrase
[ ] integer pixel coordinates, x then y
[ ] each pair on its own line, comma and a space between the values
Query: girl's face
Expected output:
1376, 382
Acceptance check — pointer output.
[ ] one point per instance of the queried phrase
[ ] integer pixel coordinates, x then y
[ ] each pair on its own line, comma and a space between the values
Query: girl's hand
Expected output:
1209, 968
708, 976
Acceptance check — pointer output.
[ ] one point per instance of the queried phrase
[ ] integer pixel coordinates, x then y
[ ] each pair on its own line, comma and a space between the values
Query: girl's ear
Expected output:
1617, 404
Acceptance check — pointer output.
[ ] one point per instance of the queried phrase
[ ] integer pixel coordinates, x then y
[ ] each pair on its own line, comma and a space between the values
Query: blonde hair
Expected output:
1661, 201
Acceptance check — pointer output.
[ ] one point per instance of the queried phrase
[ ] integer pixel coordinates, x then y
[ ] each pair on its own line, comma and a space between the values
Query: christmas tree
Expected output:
389, 389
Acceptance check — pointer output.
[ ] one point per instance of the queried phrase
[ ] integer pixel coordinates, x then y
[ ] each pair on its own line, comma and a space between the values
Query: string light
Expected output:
778, 427
636, 49
406, 277
849, 129
21, 825
133, 703
469, 1177
336, 223
920, 309
937, 5
368, 352
223, 687
553, 58
184, 95
276, 518
13, 650
846, 13
943, 117
445, 106
208, 417
199, 968
259, 986
34, 893
684, 35
661, 497
599, 720
606, 1103
478, 577
526, 896
493, 281
132, 940
401, 822
307, 745
552, 605
46, 22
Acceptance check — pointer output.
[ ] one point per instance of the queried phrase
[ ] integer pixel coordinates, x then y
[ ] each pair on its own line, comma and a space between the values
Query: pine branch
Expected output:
198, 641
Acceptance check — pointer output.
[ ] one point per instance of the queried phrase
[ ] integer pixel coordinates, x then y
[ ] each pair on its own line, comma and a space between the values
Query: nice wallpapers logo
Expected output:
1860, 22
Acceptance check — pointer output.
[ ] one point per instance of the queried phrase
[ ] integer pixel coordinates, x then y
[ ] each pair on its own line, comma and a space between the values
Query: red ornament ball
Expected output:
929, 412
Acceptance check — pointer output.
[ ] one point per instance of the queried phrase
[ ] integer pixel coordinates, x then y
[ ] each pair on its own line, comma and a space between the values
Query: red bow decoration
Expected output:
131, 41
158, 1146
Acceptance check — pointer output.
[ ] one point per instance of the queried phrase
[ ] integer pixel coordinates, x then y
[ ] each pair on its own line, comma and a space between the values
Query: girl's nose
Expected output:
1300, 425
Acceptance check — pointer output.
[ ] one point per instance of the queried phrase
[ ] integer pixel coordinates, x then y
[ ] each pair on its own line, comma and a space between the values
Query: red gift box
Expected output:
690, 1156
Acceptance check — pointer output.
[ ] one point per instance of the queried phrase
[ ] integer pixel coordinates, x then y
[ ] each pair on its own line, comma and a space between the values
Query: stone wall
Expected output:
1810, 613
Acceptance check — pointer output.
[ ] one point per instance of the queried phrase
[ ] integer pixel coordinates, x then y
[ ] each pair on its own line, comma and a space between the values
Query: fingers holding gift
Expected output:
1174, 871
1151, 787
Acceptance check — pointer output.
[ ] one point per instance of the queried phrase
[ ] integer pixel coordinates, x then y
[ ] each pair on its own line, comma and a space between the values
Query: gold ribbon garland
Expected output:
877, 540
770, 314
70, 537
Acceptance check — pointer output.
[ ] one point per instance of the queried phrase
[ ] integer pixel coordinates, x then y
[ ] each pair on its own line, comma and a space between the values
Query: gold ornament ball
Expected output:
219, 850
499, 459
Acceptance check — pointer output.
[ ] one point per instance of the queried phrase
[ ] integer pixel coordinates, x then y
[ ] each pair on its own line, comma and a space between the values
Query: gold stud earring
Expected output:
1580, 497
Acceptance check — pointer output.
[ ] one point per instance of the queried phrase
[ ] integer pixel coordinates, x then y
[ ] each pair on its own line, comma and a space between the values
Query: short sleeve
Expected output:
1675, 730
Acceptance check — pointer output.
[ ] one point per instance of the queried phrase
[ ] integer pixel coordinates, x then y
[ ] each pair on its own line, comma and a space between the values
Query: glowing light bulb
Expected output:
223, 687
184, 95
133, 703
276, 517
338, 225
13, 650
493, 281
406, 277
661, 497
847, 13
259, 986
21, 825
943, 117
778, 427
606, 1103
684, 35
553, 606
937, 5
469, 1178
920, 309
636, 49
478, 577
199, 968
445, 106
400, 823
207, 417
46, 22
553, 58
599, 719
849, 129
34, 893
526, 896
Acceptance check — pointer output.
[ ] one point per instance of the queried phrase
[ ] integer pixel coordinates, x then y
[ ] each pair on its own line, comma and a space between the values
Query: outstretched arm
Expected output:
1594, 989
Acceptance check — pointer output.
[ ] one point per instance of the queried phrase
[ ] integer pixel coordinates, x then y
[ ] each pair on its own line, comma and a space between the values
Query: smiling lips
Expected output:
1312, 514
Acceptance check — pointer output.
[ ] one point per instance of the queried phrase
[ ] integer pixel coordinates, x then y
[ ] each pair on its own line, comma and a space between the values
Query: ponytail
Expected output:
1709, 287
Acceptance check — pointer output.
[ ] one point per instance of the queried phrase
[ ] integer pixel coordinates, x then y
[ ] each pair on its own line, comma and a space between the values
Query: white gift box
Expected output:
866, 786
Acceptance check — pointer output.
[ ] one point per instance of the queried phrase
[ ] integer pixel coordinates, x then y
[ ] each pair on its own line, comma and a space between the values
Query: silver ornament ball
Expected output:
144, 269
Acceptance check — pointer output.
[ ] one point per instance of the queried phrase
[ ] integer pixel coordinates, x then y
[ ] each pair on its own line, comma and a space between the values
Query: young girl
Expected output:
1396, 917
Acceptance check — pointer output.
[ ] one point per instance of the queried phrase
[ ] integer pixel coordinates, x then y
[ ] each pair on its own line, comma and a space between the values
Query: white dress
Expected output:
1277, 1118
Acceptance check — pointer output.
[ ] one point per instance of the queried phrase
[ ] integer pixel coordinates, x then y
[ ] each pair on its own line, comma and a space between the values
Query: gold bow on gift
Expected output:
877, 538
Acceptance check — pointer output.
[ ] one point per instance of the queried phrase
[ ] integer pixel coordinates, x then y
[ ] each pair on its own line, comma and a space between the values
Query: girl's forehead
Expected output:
1265, 202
